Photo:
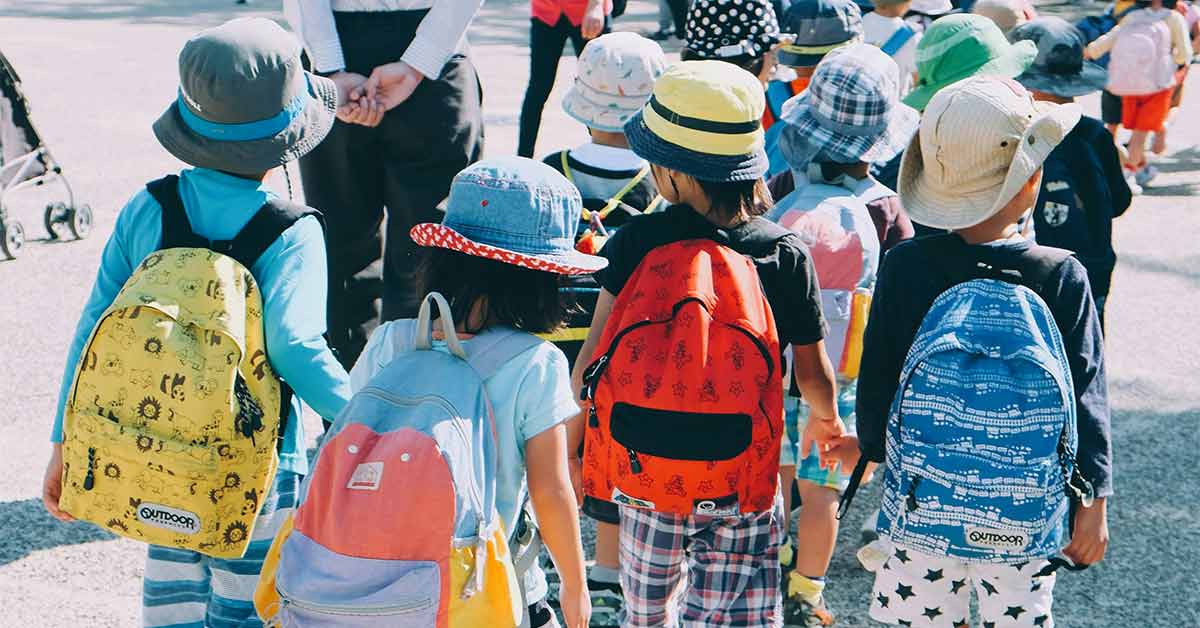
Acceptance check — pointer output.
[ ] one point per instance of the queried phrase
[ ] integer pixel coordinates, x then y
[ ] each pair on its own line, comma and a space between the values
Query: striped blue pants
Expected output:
186, 589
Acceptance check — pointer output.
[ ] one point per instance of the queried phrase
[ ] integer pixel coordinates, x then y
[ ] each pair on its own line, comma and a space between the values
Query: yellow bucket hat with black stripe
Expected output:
704, 120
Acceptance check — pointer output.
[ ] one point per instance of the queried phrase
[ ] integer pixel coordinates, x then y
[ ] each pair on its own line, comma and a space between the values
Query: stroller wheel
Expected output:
55, 213
12, 238
80, 221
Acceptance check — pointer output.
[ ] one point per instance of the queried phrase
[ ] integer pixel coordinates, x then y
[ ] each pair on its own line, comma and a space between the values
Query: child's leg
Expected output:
1137, 150
651, 565
608, 546
816, 529
175, 588
917, 589
545, 47
733, 570
1011, 595
789, 447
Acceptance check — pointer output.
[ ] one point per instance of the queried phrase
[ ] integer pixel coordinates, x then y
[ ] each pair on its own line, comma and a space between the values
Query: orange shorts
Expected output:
1146, 113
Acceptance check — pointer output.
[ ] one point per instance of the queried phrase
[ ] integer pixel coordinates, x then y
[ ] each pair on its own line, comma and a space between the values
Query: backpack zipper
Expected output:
635, 464
368, 611
89, 480
911, 503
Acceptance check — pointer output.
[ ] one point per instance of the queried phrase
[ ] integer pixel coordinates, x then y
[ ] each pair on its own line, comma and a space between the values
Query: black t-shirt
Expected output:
916, 272
787, 274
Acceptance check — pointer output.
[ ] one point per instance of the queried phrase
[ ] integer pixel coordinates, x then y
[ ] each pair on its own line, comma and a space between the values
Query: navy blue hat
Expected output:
819, 26
1059, 68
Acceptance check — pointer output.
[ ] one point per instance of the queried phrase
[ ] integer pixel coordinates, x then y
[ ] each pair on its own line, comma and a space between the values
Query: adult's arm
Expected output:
439, 35
313, 21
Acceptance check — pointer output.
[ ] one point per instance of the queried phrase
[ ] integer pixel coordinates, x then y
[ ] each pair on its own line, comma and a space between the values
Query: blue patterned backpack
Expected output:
981, 437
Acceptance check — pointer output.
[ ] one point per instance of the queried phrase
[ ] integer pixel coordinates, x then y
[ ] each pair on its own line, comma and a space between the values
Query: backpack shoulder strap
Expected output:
898, 40
272, 219
176, 228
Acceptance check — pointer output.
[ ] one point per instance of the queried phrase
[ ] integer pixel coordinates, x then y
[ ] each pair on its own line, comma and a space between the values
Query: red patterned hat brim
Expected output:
569, 263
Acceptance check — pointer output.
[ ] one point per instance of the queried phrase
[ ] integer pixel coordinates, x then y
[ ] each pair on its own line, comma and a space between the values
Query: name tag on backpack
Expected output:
626, 500
997, 539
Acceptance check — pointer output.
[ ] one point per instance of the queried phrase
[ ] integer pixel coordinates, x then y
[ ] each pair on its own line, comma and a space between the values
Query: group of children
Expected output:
987, 155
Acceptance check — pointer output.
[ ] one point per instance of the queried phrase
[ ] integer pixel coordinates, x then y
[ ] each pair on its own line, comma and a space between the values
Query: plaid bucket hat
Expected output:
851, 111
980, 141
960, 46
704, 120
245, 105
1059, 68
512, 210
616, 77
818, 27
724, 29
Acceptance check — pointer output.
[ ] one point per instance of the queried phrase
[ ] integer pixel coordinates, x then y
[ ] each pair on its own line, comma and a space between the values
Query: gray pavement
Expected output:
98, 72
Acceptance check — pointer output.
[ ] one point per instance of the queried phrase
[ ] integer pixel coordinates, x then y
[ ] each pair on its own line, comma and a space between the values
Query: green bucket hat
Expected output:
961, 46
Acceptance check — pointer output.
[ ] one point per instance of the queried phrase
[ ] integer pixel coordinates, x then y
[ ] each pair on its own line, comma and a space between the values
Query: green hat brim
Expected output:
1011, 64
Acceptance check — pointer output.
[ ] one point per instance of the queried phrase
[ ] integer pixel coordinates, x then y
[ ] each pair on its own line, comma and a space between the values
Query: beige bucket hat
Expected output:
980, 141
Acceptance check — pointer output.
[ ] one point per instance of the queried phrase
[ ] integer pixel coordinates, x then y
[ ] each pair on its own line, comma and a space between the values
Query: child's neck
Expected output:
614, 139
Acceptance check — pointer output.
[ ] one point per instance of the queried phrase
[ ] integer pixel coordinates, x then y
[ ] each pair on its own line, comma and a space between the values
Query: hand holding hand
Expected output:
390, 84
52, 485
824, 433
844, 451
1089, 539
354, 109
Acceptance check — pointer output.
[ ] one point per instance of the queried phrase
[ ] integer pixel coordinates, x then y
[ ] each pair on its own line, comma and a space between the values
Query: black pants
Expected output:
405, 164
546, 45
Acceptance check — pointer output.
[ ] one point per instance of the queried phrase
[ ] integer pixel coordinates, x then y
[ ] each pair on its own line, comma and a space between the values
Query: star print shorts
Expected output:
926, 591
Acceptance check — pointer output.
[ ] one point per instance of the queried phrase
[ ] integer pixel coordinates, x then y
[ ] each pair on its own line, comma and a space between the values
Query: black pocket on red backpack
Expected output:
681, 435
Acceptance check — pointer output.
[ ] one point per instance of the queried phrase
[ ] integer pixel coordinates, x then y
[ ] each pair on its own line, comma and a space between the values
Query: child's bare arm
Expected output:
558, 520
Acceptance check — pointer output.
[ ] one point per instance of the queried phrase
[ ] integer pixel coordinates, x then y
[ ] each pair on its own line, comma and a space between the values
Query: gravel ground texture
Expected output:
99, 71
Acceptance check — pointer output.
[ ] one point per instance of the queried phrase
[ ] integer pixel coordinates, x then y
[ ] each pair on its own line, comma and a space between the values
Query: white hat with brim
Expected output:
980, 141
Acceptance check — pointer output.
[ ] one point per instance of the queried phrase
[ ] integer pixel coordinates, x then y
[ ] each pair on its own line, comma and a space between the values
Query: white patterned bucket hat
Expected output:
616, 77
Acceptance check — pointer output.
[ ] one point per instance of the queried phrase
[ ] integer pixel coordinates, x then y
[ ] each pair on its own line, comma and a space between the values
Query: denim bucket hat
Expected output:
616, 77
1059, 68
705, 120
723, 29
851, 111
819, 26
961, 46
512, 210
245, 105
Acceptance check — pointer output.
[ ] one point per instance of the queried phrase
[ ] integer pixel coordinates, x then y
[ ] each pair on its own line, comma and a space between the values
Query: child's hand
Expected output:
576, 604
844, 451
52, 485
822, 432
1089, 539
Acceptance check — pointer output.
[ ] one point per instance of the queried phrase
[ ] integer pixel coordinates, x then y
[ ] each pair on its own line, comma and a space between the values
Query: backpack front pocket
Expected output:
333, 589
681, 435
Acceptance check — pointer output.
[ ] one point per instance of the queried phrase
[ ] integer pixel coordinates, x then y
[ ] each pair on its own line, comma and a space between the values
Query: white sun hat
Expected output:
980, 140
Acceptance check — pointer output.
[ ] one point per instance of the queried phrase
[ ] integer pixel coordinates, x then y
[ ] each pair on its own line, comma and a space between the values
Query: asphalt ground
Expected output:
98, 72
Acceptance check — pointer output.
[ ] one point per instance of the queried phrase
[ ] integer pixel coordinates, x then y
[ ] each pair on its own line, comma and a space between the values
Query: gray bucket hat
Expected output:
245, 105
1059, 68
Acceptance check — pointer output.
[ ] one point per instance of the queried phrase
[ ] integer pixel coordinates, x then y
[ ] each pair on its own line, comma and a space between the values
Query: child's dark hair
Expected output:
522, 298
734, 197
749, 63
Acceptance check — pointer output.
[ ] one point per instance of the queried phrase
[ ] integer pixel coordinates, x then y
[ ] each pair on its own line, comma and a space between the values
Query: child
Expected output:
815, 28
1146, 50
551, 24
741, 32
616, 77
1083, 188
986, 135
850, 116
702, 134
230, 77
510, 278
885, 27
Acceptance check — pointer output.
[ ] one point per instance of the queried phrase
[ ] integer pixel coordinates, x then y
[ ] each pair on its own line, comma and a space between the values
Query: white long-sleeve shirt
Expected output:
439, 36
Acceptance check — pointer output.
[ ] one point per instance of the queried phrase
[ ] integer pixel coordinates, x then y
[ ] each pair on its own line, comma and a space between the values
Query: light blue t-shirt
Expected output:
529, 395
291, 276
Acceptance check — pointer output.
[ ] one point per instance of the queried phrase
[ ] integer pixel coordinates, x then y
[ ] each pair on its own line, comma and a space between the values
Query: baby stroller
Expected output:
25, 163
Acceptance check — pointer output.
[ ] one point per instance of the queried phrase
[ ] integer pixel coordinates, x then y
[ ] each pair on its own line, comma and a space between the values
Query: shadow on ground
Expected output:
27, 528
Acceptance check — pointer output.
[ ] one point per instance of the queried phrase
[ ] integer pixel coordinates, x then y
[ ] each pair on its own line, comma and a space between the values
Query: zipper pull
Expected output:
593, 420
590, 376
635, 464
912, 495
89, 480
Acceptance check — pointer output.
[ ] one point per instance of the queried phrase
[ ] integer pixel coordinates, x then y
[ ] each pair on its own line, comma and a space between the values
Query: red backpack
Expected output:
686, 389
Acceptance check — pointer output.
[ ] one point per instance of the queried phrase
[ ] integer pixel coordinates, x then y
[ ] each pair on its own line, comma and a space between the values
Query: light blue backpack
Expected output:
397, 524
981, 438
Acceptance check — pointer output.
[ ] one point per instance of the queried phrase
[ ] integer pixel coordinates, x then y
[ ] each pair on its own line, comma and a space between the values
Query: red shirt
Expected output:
550, 11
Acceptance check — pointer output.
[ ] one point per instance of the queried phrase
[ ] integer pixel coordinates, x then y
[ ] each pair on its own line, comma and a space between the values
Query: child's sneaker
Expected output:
804, 605
1144, 176
868, 533
1131, 180
607, 601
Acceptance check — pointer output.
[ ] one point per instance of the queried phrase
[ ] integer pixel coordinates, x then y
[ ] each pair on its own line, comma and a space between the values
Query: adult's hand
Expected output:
593, 20
390, 84
354, 109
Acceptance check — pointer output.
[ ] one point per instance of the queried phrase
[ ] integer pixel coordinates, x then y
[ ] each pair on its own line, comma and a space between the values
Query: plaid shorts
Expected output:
731, 566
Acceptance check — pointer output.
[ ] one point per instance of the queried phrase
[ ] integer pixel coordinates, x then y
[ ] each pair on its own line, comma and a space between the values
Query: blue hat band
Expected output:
245, 131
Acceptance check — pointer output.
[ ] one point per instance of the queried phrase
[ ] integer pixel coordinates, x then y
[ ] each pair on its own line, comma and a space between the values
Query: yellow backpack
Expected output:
172, 423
